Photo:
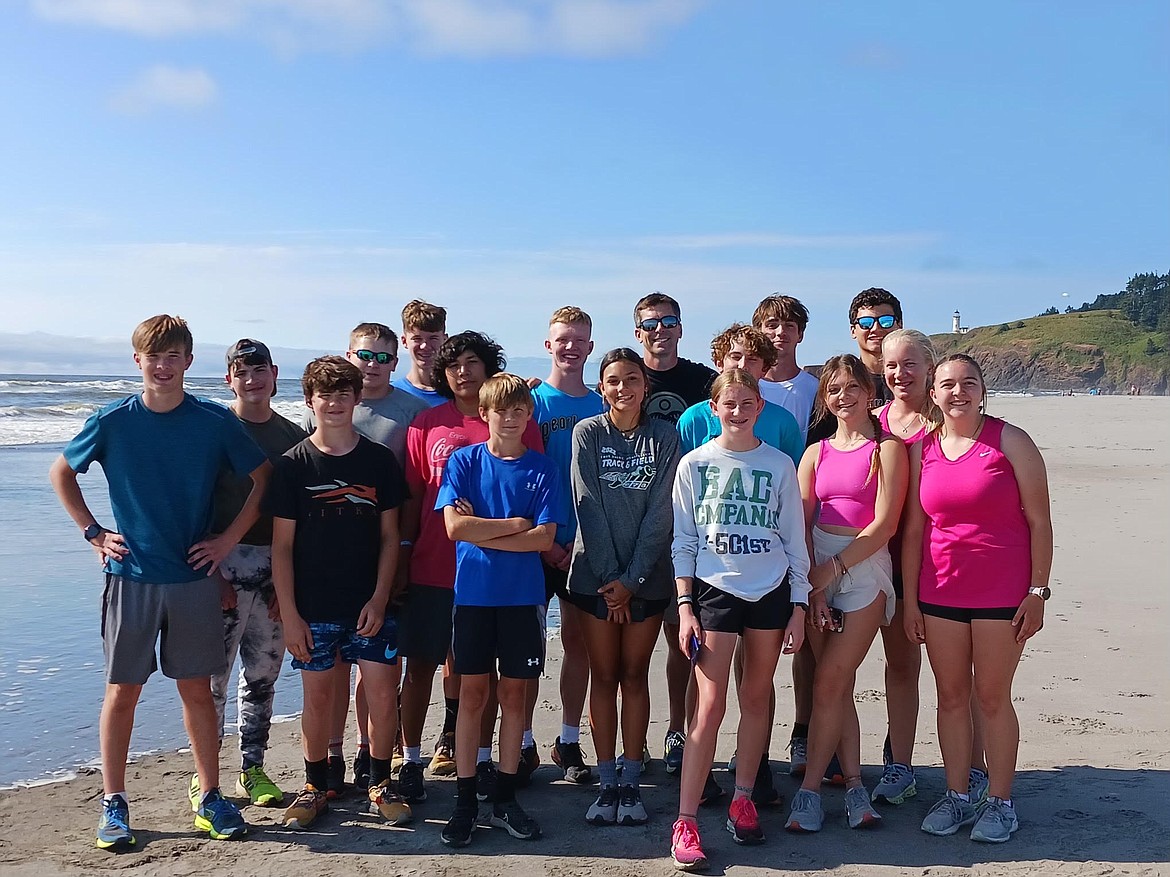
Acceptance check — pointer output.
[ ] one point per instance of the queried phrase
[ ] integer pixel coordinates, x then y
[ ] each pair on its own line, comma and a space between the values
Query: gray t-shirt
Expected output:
383, 420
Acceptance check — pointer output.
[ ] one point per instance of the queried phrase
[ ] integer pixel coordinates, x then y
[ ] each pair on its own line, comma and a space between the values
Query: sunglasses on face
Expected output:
652, 323
379, 357
886, 321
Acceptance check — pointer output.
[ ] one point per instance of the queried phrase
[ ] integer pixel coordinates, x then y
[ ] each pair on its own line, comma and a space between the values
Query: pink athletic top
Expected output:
884, 416
896, 539
976, 545
846, 500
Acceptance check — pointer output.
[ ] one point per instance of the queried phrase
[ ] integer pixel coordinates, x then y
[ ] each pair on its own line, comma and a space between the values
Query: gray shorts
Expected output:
188, 615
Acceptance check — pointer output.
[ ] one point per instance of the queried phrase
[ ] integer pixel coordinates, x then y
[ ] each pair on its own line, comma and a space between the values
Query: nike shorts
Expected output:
331, 640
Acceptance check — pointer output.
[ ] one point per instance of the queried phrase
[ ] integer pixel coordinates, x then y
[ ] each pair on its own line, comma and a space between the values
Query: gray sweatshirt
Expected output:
621, 493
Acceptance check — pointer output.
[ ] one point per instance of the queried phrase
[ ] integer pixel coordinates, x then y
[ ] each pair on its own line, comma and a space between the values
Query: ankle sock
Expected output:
570, 733
335, 747
379, 771
465, 793
607, 772
413, 754
107, 798
631, 771
527, 740
799, 730
485, 754
317, 774
505, 787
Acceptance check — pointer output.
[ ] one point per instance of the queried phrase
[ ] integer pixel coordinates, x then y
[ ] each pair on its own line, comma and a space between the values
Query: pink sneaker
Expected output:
744, 822
685, 849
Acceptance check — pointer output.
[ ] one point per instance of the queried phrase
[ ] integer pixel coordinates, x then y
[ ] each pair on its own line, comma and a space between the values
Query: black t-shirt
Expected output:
676, 389
337, 503
825, 426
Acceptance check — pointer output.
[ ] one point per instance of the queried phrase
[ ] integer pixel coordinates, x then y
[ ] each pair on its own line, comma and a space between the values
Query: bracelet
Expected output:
844, 568
686, 598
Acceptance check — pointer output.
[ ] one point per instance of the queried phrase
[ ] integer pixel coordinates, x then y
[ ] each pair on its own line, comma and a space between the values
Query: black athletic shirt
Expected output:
676, 389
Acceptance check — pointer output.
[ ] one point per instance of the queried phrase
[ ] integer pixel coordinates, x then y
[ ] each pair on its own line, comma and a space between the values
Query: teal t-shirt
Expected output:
776, 427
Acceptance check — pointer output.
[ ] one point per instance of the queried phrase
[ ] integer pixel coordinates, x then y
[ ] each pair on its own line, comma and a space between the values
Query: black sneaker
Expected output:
361, 769
485, 781
529, 762
410, 783
336, 786
712, 791
764, 793
567, 756
511, 817
457, 832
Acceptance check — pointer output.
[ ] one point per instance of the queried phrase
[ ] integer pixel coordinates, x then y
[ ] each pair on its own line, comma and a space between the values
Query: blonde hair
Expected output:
162, 333
570, 314
734, 377
376, 331
503, 390
928, 409
754, 341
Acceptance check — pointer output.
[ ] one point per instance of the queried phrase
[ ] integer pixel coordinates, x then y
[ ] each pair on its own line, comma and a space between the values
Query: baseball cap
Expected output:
250, 351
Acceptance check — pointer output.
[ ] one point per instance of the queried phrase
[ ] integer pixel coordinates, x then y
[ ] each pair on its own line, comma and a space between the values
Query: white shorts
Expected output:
860, 586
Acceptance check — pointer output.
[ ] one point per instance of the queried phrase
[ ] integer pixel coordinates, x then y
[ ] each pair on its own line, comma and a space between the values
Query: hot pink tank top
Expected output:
976, 545
846, 500
896, 539
884, 417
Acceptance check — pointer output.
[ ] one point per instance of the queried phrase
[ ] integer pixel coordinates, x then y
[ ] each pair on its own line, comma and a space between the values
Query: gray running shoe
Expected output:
897, 784
631, 810
997, 822
603, 811
798, 747
858, 810
977, 783
948, 815
806, 815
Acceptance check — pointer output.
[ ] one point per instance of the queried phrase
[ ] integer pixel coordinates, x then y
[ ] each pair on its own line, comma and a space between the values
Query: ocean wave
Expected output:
127, 385
68, 409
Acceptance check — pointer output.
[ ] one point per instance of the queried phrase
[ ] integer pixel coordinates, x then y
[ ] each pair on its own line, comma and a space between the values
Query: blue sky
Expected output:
287, 168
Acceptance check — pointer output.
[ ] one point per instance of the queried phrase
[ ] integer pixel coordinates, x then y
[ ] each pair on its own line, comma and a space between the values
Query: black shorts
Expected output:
966, 616
726, 613
897, 580
510, 638
424, 623
556, 583
640, 609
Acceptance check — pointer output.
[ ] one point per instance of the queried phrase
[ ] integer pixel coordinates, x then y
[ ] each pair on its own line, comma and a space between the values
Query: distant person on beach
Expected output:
976, 557
161, 451
251, 616
424, 329
501, 505
334, 500
623, 465
562, 401
783, 320
853, 486
740, 567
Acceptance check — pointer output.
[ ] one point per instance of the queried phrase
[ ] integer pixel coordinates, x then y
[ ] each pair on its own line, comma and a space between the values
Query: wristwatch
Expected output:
92, 532
1042, 592
803, 606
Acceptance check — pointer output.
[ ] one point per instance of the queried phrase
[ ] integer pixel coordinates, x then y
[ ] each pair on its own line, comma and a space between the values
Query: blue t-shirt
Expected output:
527, 487
557, 413
429, 396
775, 426
162, 471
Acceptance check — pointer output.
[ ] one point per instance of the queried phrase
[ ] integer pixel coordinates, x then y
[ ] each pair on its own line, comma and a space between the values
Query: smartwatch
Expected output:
1042, 592
92, 532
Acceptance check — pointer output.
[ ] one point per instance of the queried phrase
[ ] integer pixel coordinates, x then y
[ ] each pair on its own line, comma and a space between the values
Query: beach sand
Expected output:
1092, 692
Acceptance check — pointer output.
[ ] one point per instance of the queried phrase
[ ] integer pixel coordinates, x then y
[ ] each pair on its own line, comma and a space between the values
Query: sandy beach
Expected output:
1093, 788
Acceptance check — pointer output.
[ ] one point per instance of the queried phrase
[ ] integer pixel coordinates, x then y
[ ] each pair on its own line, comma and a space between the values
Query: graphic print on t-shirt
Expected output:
666, 406
738, 498
337, 491
635, 472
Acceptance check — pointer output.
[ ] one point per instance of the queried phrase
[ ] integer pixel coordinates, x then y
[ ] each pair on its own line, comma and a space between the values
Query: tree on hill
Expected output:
1048, 312
1145, 301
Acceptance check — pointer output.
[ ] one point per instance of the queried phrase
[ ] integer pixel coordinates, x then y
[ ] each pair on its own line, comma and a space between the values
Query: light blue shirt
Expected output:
775, 427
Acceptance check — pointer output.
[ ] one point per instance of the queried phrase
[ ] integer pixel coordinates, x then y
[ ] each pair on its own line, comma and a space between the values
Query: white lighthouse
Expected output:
956, 324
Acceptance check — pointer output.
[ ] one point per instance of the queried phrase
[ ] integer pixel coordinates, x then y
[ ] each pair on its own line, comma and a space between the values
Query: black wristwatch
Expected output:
1042, 592
92, 532
803, 606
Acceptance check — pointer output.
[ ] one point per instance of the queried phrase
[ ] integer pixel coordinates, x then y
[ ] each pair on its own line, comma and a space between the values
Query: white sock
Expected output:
527, 740
485, 754
106, 798
570, 733
413, 754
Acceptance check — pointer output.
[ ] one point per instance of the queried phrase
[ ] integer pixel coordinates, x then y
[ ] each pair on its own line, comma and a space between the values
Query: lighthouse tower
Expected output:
956, 324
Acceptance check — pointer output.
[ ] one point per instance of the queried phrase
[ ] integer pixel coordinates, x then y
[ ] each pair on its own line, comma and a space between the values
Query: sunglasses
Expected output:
652, 323
886, 321
370, 356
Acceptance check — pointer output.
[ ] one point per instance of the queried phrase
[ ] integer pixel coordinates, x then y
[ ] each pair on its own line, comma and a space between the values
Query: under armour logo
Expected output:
532, 662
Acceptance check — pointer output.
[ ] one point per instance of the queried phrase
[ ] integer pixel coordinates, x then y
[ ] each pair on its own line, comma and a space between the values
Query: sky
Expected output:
284, 169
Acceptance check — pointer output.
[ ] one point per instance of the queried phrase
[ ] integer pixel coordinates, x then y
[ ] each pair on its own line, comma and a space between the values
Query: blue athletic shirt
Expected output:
775, 426
429, 396
527, 487
162, 470
557, 413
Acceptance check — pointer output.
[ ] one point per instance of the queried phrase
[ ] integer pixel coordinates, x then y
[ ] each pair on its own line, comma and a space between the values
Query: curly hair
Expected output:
874, 297
754, 342
481, 345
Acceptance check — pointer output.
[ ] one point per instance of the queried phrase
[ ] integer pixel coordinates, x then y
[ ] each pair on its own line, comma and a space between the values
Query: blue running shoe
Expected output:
997, 822
220, 818
113, 831
977, 785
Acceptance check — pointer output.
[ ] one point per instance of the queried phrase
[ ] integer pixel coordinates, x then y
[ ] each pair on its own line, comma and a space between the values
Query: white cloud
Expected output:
767, 240
163, 86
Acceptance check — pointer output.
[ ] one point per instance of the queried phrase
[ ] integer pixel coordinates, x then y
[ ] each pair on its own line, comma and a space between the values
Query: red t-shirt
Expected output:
432, 437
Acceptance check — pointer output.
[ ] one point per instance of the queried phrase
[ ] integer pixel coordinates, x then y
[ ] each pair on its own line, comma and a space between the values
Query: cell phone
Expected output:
836, 620
693, 648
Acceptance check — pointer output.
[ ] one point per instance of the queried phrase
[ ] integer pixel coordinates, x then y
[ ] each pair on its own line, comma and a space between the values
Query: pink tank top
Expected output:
896, 539
976, 544
884, 417
846, 500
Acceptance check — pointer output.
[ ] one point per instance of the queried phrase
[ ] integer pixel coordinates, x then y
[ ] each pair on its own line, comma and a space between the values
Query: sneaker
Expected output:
361, 769
529, 762
896, 785
997, 822
443, 761
336, 784
764, 792
220, 818
410, 783
397, 759
603, 811
685, 848
458, 830
806, 814
858, 809
631, 810
113, 831
744, 822
672, 751
511, 817
389, 804
948, 815
834, 775
261, 790
305, 808
712, 791
887, 752
567, 756
798, 747
977, 783
485, 781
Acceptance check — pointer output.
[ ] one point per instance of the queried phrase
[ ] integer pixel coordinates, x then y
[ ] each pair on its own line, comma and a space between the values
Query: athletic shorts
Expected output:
966, 616
861, 585
509, 639
726, 613
188, 617
897, 577
594, 604
424, 623
556, 583
331, 639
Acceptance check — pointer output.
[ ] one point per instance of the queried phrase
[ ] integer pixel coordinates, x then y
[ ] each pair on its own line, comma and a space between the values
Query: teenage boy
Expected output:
675, 385
161, 451
783, 319
424, 329
559, 403
251, 621
427, 562
501, 505
334, 500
